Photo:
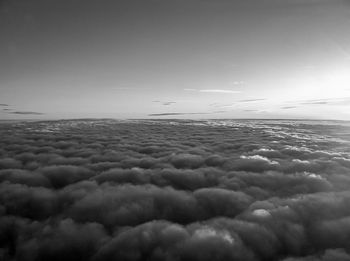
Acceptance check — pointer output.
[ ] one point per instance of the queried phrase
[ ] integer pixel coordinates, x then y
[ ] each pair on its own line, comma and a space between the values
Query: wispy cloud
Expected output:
238, 82
26, 112
330, 101
184, 113
4, 104
315, 102
130, 88
252, 100
166, 103
250, 110
219, 111
219, 91
288, 107
177, 113
225, 91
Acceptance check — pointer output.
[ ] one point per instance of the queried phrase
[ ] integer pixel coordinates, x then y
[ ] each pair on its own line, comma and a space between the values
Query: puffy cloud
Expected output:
222, 202
132, 205
9, 163
328, 255
118, 175
174, 190
32, 202
66, 240
25, 177
186, 161
63, 175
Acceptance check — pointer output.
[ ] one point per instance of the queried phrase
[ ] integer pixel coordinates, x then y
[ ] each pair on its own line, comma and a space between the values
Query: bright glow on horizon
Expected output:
294, 64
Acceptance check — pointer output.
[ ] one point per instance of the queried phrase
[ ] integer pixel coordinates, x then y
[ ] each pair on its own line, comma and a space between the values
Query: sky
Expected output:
175, 59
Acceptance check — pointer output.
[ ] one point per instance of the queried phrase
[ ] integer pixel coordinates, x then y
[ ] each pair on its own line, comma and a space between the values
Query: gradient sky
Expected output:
175, 59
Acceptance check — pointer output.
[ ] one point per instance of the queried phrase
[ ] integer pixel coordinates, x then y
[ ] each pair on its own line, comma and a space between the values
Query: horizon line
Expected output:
162, 119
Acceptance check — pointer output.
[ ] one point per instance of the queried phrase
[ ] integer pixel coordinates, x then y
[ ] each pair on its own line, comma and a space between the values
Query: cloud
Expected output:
26, 113
186, 113
288, 107
30, 202
10, 163
316, 102
214, 91
330, 101
219, 91
64, 240
177, 113
130, 88
252, 100
63, 175
19, 176
238, 82
174, 190
166, 103
338, 254
4, 105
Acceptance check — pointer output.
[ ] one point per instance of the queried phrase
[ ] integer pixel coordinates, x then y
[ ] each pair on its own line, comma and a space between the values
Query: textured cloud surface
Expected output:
174, 190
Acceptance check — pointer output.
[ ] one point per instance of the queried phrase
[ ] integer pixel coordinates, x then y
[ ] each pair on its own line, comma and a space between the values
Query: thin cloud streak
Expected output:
177, 113
250, 110
130, 88
331, 101
220, 91
26, 113
185, 113
166, 103
288, 107
214, 91
252, 100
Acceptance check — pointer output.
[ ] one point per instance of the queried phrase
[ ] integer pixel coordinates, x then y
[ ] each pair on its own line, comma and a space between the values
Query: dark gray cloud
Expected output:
26, 112
4, 105
63, 175
174, 190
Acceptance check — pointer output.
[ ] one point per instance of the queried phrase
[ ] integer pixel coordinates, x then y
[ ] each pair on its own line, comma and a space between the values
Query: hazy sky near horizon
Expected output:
179, 58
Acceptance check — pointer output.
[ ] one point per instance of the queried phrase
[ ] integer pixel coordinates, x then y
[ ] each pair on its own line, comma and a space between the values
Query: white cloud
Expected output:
238, 82
204, 233
219, 91
213, 90
261, 213
258, 157
301, 161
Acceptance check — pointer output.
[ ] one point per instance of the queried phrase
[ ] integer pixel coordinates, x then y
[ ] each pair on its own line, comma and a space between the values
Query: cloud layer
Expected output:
174, 190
